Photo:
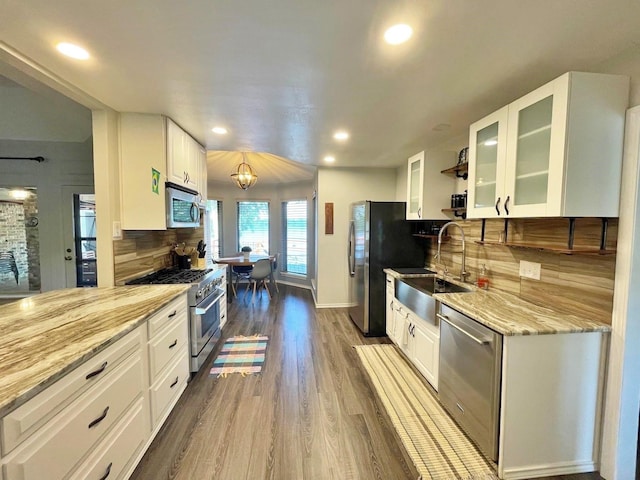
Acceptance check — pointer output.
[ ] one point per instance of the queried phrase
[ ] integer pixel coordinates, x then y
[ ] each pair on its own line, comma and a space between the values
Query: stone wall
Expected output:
13, 240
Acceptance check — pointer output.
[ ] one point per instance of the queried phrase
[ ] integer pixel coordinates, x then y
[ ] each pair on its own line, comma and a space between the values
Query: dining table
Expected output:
241, 260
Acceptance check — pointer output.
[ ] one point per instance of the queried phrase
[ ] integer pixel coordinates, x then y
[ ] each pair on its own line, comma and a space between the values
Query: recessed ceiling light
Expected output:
73, 51
341, 135
219, 130
398, 34
490, 143
329, 159
19, 194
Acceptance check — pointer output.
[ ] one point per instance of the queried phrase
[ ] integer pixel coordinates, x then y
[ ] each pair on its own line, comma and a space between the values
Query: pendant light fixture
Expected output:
244, 176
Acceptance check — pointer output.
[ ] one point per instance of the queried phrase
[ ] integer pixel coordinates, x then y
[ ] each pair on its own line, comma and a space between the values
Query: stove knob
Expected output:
199, 294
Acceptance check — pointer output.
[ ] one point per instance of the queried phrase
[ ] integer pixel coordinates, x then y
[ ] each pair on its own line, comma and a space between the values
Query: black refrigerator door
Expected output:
391, 244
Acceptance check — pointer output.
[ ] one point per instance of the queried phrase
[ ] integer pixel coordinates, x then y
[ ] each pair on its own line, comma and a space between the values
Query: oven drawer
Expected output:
166, 345
24, 420
168, 387
172, 312
56, 449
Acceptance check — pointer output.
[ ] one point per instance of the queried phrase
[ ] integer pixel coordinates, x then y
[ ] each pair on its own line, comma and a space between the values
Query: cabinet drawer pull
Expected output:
106, 474
99, 419
498, 206
97, 372
173, 314
175, 382
175, 342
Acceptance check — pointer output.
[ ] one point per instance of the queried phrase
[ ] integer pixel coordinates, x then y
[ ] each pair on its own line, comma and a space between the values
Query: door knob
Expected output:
68, 257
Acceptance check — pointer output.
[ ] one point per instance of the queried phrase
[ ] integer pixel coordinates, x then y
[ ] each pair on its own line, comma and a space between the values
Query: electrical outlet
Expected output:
530, 270
117, 231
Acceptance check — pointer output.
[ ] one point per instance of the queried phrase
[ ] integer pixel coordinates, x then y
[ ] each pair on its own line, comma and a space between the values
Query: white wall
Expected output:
67, 163
343, 187
275, 195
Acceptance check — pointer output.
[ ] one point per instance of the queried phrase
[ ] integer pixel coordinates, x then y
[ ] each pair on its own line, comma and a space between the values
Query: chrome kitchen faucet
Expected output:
463, 272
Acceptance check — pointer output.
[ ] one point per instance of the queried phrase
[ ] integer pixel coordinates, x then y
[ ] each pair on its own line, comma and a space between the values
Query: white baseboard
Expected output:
537, 471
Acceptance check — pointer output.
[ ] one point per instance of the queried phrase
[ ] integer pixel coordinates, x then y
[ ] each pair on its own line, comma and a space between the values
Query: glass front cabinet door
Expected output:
487, 156
415, 185
556, 152
536, 148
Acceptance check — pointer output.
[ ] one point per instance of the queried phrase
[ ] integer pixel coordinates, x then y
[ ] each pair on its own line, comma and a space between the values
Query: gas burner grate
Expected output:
170, 275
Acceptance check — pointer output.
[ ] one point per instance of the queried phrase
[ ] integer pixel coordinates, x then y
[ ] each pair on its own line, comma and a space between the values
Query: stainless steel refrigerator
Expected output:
379, 237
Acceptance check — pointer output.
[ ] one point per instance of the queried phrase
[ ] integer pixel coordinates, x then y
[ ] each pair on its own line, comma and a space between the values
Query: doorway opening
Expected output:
84, 220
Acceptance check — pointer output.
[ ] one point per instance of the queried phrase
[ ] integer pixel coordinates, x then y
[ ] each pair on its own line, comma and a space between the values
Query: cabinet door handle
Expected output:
175, 342
506, 205
97, 372
175, 382
107, 473
420, 212
171, 315
498, 206
99, 419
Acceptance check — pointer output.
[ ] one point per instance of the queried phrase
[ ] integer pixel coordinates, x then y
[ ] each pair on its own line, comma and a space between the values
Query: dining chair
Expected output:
258, 277
239, 272
274, 268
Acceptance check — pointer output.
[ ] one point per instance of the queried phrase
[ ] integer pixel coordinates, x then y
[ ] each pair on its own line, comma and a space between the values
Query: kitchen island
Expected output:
76, 372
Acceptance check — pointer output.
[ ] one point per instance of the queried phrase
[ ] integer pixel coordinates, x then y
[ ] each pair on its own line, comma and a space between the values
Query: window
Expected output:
253, 226
214, 227
294, 232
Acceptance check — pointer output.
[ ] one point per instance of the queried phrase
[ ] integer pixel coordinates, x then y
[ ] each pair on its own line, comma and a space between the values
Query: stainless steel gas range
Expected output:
204, 298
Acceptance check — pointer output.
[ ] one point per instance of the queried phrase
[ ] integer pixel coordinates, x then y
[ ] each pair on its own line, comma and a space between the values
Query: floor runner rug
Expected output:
435, 444
240, 354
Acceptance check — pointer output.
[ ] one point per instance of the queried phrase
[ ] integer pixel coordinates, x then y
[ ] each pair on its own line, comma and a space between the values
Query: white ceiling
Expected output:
283, 75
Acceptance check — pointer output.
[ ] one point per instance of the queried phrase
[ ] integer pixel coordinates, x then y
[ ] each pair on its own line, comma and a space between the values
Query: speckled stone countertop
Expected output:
47, 335
511, 315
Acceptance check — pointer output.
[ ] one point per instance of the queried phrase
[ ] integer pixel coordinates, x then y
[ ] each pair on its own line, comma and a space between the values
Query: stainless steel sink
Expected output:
416, 294
433, 285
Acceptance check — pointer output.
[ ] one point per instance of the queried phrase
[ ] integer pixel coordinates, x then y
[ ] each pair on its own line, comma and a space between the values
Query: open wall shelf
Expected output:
569, 249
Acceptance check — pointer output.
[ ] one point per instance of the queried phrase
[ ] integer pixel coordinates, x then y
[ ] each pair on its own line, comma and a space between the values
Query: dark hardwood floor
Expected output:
310, 414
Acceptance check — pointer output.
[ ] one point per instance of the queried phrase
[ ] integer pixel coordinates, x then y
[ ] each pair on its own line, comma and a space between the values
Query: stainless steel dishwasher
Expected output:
469, 380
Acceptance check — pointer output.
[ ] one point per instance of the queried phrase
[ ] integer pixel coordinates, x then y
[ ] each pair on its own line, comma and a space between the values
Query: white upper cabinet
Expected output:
183, 166
556, 152
415, 167
142, 154
201, 162
428, 192
154, 150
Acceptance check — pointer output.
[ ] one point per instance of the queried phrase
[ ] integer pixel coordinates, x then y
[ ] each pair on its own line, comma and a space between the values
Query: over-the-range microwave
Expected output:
182, 207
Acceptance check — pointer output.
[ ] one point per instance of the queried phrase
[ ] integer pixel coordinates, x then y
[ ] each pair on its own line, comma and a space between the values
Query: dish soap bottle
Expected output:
483, 279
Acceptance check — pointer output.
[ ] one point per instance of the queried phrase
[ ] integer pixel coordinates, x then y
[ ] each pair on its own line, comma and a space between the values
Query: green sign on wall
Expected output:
155, 180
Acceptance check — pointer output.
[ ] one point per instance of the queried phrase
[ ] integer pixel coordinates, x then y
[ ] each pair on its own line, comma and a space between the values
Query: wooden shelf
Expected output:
566, 251
454, 210
459, 170
457, 212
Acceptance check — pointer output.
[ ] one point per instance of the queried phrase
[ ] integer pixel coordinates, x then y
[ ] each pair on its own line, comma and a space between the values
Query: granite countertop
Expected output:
47, 335
511, 315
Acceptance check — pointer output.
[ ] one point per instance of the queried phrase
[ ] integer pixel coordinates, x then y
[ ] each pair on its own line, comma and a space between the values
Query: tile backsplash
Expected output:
577, 283
142, 252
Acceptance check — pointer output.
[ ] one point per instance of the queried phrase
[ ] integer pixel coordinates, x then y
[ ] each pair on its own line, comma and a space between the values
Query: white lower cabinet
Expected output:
390, 295
55, 450
97, 421
113, 455
425, 350
169, 387
551, 401
418, 339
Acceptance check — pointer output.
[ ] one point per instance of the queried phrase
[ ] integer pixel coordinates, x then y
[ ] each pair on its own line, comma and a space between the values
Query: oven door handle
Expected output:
204, 306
